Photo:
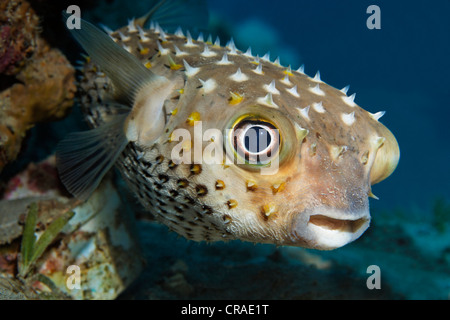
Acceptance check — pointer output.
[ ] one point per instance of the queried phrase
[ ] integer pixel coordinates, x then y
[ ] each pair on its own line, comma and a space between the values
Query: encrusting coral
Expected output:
37, 82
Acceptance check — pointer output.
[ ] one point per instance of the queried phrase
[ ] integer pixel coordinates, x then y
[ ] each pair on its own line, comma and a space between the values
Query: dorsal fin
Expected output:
191, 14
126, 72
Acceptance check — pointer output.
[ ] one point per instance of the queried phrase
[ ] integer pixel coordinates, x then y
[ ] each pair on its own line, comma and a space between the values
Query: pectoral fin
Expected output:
83, 158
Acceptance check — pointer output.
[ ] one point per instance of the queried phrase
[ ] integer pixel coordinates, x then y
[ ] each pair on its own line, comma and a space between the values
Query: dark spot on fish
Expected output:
163, 178
201, 190
172, 165
182, 183
179, 210
164, 211
157, 194
196, 168
207, 209
189, 200
159, 159
173, 193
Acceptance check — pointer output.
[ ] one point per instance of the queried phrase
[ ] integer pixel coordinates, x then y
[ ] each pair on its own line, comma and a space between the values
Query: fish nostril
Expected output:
337, 224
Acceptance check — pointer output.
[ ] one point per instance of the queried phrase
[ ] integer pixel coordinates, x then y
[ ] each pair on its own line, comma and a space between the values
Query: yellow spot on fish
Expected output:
174, 112
171, 137
148, 65
144, 51
195, 116
278, 187
220, 185
225, 166
173, 65
288, 72
235, 98
269, 209
232, 204
181, 91
251, 185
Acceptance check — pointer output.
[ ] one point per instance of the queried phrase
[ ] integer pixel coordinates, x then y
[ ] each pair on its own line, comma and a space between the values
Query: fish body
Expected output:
323, 151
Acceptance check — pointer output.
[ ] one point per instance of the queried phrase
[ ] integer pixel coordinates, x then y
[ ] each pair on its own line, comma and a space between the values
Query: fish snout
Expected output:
329, 228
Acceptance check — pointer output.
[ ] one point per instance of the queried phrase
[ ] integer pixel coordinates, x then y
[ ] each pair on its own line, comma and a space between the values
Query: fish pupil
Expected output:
257, 139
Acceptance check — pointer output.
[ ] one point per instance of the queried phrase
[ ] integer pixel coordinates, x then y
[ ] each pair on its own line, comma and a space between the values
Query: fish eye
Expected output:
256, 141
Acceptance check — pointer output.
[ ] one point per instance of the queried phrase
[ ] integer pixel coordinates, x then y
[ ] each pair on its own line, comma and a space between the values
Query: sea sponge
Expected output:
44, 81
18, 31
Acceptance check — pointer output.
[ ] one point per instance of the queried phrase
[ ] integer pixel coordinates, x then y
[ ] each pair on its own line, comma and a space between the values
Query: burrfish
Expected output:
220, 144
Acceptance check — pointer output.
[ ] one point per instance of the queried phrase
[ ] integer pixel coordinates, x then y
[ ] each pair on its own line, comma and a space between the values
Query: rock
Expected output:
94, 256
37, 82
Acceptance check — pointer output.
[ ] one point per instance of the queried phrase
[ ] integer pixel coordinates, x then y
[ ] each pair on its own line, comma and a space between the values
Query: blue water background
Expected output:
402, 69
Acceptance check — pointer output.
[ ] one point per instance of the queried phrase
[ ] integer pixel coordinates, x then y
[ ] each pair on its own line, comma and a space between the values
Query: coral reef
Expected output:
37, 81
46, 236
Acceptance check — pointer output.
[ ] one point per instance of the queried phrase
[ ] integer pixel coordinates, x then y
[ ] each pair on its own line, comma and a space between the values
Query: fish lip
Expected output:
328, 229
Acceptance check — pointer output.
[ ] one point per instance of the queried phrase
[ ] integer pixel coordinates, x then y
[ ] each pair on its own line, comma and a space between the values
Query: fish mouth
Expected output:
327, 229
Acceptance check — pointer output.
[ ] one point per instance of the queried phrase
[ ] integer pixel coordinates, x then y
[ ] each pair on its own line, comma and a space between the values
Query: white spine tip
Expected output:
345, 90
277, 62
189, 41
266, 57
271, 88
316, 90
208, 53
259, 69
232, 47
294, 92
318, 107
248, 53
238, 76
131, 26
304, 112
208, 85
301, 69
268, 101
162, 50
224, 60
348, 118
286, 80
350, 100
378, 115
179, 32
190, 71
178, 52
317, 77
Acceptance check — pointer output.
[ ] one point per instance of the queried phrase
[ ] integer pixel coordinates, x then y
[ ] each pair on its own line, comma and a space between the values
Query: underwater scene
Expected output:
224, 150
